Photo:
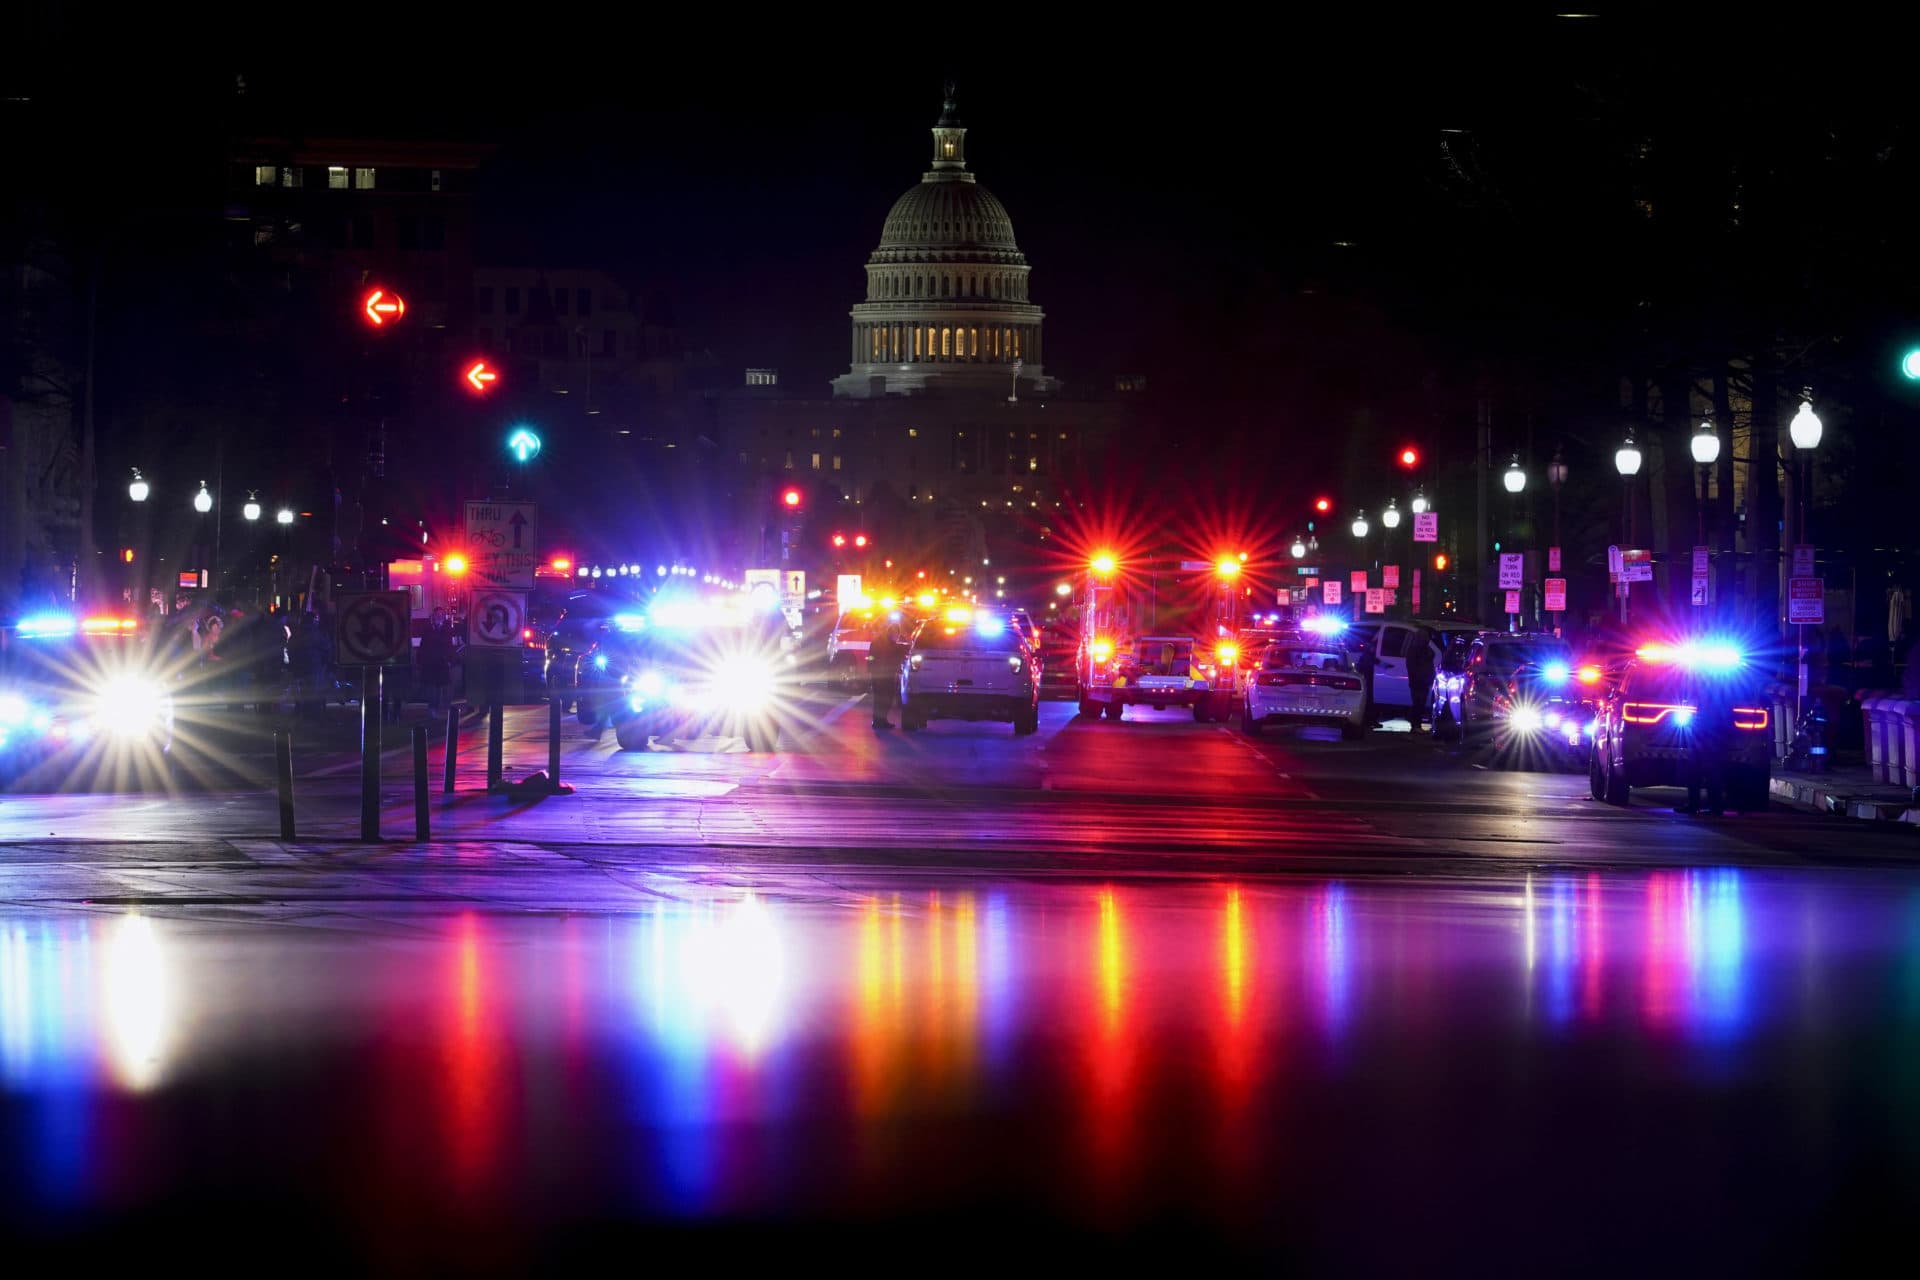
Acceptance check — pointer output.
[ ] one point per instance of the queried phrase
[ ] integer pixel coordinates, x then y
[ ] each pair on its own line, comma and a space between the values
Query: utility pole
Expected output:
1482, 453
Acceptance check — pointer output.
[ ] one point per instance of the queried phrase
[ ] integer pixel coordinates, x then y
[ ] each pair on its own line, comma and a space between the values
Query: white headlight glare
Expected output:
130, 706
1524, 720
13, 709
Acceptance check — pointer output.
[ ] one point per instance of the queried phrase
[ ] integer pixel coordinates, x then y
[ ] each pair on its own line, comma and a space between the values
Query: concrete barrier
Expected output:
1883, 732
1910, 744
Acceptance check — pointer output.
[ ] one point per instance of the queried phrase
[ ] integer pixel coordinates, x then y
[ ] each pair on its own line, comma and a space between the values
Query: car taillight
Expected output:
1655, 712
1751, 718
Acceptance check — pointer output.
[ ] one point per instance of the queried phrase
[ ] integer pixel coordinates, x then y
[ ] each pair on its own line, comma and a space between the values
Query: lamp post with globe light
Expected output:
1805, 431
1389, 521
1626, 460
1706, 452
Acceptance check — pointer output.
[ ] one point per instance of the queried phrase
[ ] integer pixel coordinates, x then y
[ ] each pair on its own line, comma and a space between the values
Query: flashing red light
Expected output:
859, 539
561, 564
382, 307
480, 377
839, 539
1440, 563
1409, 458
790, 498
456, 564
1589, 675
1323, 505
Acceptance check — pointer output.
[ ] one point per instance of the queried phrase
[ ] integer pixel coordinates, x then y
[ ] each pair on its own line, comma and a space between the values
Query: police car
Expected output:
1650, 726
81, 692
968, 665
688, 669
1305, 678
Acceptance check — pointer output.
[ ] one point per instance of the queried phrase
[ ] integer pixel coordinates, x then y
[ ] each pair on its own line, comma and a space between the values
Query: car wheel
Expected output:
1202, 714
1617, 790
1596, 781
1088, 707
1027, 722
588, 716
631, 733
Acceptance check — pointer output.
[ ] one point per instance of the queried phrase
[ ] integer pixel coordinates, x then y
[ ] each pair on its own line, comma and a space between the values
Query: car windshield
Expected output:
1508, 658
962, 635
1287, 657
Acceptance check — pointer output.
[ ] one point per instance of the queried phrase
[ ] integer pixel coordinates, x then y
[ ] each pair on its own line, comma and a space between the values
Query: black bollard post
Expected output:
420, 816
283, 769
371, 691
553, 743
496, 736
453, 744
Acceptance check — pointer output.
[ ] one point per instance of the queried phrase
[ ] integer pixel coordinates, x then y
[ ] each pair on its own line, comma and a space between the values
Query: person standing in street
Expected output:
883, 673
1420, 664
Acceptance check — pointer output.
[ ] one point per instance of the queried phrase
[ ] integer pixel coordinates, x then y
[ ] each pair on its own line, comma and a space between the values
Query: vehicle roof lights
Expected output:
1711, 655
46, 624
1325, 624
1556, 672
989, 625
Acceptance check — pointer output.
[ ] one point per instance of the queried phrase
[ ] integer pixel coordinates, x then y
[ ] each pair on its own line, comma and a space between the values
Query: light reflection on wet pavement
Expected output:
1713, 1065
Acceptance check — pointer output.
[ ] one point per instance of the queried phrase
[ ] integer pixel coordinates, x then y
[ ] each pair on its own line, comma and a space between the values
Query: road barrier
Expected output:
453, 744
1892, 725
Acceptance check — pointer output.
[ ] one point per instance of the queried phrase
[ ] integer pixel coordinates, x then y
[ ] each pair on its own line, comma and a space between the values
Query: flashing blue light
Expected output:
1325, 624
1556, 673
46, 624
599, 662
988, 625
626, 622
1713, 656
1683, 716
651, 683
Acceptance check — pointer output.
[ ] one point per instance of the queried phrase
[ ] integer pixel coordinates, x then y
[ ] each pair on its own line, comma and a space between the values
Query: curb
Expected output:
1823, 799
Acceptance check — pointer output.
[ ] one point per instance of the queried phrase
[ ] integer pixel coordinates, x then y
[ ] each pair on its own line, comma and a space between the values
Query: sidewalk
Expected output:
1847, 789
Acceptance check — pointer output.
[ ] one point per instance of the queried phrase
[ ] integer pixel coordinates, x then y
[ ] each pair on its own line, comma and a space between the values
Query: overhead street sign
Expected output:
370, 629
496, 619
503, 544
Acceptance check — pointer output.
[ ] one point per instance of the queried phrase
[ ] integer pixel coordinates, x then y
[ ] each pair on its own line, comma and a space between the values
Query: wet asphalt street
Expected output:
1109, 992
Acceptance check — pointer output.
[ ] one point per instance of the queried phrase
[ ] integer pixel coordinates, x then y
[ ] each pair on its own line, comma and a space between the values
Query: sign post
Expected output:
370, 631
1806, 607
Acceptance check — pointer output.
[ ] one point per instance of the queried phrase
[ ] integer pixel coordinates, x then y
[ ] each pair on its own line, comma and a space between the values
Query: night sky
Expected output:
1288, 225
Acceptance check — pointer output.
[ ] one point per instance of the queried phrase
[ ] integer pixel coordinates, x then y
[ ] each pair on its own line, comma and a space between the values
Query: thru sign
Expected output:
503, 544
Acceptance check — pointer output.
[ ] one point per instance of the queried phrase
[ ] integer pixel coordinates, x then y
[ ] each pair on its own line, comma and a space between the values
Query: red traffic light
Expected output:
382, 307
839, 539
790, 497
480, 377
1323, 505
859, 539
1409, 458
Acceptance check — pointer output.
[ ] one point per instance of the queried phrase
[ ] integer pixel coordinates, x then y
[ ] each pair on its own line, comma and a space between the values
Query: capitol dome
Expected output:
947, 308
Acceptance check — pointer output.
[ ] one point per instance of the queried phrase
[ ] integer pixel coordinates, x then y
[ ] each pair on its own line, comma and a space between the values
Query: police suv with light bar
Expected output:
1652, 727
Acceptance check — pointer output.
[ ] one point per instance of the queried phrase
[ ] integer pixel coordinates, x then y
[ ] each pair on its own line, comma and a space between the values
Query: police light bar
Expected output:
46, 624
1555, 672
1325, 624
1697, 655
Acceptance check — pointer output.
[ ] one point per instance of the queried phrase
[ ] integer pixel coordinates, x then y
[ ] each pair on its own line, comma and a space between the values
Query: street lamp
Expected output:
283, 516
139, 489
1391, 516
1419, 502
1626, 460
203, 500
1360, 524
251, 510
1298, 549
1806, 427
1706, 452
1515, 479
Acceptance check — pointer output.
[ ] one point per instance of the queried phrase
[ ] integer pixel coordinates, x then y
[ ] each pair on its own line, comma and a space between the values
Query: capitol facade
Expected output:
947, 309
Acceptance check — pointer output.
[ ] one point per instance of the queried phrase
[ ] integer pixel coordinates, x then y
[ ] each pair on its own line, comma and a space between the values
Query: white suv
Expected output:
970, 667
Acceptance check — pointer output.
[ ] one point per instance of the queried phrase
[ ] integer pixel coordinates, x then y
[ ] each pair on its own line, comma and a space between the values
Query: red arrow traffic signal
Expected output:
382, 307
480, 377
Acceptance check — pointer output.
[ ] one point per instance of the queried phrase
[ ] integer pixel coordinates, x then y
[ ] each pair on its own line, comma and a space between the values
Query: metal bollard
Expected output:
496, 737
453, 745
283, 770
420, 816
371, 689
553, 743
